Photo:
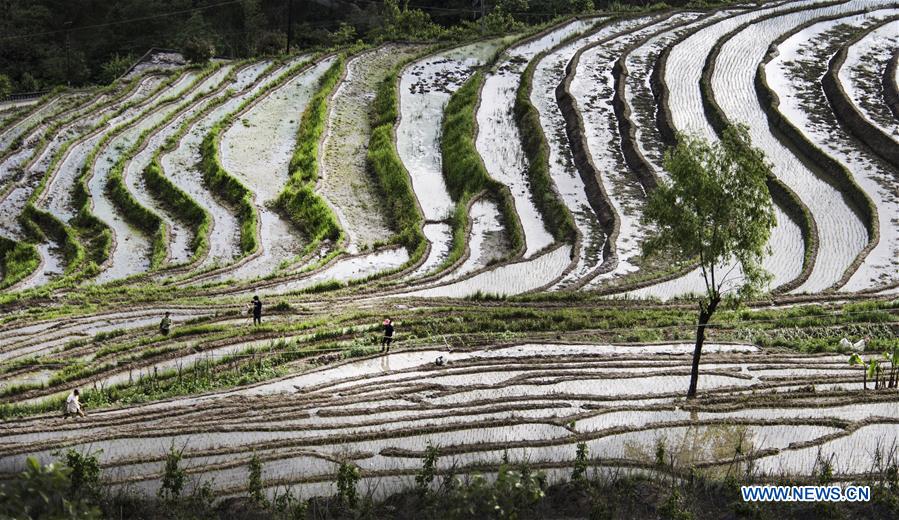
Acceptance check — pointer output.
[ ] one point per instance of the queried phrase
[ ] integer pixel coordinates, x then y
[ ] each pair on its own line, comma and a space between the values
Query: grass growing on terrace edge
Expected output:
390, 173
230, 189
17, 260
89, 227
810, 328
41, 225
305, 209
533, 141
225, 184
464, 171
134, 212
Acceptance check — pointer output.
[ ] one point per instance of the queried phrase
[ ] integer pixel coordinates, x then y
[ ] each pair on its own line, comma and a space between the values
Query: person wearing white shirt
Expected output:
73, 406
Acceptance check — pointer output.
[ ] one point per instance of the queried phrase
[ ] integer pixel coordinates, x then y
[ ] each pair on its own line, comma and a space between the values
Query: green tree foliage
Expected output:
197, 49
5, 86
715, 207
115, 67
48, 42
348, 476
514, 494
84, 479
43, 492
173, 476
428, 469
402, 23
254, 481
271, 43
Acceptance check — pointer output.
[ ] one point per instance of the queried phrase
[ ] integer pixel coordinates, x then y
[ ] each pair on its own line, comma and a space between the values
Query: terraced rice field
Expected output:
328, 184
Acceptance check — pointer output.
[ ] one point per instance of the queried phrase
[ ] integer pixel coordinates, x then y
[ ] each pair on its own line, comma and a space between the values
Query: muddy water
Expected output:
440, 236
547, 76
10, 134
840, 231
425, 88
46, 337
180, 165
52, 265
131, 254
257, 149
180, 236
862, 74
345, 180
593, 89
57, 196
346, 270
682, 74
853, 453
800, 99
498, 140
487, 242
638, 91
508, 279
342, 411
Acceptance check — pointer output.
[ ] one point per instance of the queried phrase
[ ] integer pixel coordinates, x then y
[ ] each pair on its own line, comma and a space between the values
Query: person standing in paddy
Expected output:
73, 406
166, 324
257, 311
388, 335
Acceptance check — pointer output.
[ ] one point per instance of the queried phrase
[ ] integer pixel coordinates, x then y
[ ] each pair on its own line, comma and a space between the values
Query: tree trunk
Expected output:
705, 314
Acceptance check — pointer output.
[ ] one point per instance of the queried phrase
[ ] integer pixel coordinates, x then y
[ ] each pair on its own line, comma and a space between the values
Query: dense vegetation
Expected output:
50, 42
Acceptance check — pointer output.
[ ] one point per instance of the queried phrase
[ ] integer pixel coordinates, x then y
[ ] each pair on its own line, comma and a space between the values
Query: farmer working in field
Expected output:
166, 324
73, 406
388, 335
257, 311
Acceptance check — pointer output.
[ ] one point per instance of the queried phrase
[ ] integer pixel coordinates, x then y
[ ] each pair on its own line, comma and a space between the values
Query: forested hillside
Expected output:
53, 42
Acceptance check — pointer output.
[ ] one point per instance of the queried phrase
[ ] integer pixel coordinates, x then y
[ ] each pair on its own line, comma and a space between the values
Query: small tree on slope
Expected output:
715, 207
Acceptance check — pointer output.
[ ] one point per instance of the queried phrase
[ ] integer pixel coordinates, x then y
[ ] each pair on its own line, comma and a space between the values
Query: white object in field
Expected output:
858, 346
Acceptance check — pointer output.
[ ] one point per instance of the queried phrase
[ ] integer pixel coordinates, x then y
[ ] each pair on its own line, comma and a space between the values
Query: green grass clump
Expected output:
230, 189
298, 200
136, 213
464, 172
17, 260
392, 177
181, 205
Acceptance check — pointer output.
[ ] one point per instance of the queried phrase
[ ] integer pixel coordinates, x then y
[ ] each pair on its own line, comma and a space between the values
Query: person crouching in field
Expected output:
388, 335
73, 406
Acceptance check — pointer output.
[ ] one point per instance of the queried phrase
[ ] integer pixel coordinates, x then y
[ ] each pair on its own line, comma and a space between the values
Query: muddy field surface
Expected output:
533, 401
345, 181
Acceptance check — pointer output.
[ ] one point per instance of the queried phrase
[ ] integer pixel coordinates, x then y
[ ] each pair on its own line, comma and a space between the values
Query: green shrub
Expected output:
43, 493
348, 476
173, 476
85, 474
17, 260
254, 481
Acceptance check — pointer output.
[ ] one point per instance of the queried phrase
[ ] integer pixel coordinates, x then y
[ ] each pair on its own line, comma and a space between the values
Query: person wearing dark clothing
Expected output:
388, 335
257, 311
165, 324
